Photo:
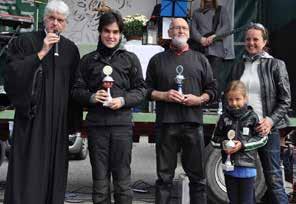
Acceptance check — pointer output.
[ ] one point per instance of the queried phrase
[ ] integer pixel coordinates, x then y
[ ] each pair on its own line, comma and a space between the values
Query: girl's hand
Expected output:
237, 147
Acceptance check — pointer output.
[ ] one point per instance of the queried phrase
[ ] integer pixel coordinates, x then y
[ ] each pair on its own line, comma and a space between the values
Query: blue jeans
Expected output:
270, 160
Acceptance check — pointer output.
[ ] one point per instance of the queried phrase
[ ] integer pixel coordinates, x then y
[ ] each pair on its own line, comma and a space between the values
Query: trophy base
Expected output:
226, 167
107, 103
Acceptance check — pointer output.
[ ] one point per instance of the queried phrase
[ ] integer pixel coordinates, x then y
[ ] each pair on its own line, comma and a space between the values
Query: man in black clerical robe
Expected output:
38, 84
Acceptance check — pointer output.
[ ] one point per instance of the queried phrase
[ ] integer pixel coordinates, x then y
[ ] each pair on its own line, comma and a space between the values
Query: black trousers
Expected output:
187, 138
110, 150
217, 66
240, 190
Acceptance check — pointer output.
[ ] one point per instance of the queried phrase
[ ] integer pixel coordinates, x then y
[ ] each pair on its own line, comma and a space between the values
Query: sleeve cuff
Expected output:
122, 101
149, 92
92, 98
270, 120
243, 147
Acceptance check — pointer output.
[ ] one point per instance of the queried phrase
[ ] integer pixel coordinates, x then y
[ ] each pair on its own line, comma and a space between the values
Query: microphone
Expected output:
56, 46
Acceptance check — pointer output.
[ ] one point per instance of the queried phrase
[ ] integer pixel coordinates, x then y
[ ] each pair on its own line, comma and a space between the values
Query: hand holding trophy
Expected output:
228, 144
108, 83
179, 78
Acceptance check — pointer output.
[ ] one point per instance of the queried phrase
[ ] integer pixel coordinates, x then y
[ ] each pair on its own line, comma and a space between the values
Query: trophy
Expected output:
108, 83
179, 78
228, 145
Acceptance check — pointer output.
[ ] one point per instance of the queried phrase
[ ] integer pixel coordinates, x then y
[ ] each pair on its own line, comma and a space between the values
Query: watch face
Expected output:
231, 134
107, 70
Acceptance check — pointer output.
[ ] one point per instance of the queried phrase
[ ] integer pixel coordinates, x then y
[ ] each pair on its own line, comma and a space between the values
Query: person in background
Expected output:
109, 120
268, 88
156, 18
209, 21
38, 83
179, 115
240, 120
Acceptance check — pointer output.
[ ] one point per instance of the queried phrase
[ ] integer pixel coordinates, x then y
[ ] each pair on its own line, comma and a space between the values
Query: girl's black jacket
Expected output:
243, 122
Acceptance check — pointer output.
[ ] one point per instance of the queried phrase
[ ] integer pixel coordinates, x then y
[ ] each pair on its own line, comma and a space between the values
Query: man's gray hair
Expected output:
57, 6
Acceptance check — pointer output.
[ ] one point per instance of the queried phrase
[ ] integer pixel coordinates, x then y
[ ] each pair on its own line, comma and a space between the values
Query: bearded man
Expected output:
179, 112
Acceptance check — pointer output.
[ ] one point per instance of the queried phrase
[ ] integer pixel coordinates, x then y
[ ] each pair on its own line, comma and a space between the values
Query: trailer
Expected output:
144, 127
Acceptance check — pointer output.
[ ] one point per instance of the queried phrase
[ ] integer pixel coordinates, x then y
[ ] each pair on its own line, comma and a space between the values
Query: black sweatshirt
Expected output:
161, 73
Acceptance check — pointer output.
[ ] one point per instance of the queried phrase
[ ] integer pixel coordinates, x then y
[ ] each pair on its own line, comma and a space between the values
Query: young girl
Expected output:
240, 119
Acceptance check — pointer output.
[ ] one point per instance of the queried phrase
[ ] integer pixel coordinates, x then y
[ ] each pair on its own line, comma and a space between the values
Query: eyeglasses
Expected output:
60, 20
180, 28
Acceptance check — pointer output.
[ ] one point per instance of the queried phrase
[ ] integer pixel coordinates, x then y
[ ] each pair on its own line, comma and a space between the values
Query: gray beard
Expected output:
179, 42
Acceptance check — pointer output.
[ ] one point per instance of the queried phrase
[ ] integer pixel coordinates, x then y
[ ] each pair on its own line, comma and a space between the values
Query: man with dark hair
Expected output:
38, 84
110, 83
179, 113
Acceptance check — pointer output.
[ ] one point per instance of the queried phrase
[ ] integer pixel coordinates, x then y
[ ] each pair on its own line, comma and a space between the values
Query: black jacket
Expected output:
243, 123
275, 88
128, 83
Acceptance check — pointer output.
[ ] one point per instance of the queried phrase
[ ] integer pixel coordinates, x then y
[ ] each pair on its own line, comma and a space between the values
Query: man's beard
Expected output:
179, 42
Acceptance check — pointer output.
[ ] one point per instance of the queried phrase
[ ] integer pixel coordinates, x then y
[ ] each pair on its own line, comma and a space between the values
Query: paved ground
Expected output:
79, 177
143, 177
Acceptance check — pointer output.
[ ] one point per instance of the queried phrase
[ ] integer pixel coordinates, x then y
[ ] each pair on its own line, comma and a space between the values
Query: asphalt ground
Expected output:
79, 185
143, 166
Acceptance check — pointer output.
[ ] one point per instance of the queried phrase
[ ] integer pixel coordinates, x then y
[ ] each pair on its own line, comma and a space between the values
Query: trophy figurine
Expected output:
179, 78
108, 83
228, 145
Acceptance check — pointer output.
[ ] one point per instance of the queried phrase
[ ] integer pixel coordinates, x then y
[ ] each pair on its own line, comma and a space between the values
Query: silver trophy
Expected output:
179, 78
228, 144
108, 83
